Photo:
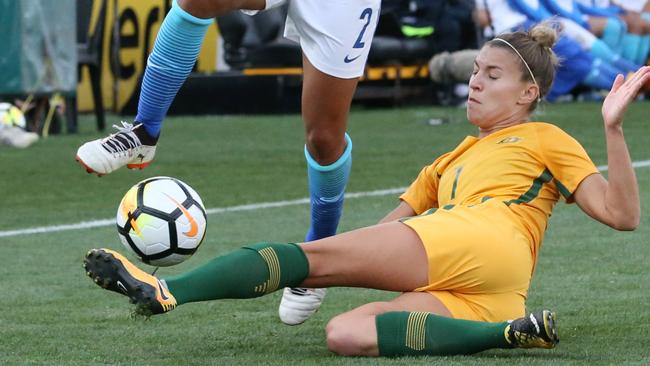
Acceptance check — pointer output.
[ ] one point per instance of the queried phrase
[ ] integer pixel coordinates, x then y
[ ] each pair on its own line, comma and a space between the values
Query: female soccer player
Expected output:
335, 38
463, 243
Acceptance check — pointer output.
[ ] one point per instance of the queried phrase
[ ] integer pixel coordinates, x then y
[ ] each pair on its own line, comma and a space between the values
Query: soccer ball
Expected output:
162, 220
11, 115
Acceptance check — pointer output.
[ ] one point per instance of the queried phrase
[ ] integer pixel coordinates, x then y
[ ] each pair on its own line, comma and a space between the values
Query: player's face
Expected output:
496, 96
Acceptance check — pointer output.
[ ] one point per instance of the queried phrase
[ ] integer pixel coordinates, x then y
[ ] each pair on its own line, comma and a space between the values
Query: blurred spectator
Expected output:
637, 15
536, 12
621, 30
578, 66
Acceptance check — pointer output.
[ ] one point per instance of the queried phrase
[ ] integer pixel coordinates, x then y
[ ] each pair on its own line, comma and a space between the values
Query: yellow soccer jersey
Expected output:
527, 166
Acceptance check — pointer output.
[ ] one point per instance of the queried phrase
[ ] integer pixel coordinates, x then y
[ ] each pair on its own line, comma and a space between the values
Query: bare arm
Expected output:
482, 18
615, 202
402, 210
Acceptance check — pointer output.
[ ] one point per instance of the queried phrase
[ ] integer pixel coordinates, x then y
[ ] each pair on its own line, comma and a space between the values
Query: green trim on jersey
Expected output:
534, 189
564, 191
453, 188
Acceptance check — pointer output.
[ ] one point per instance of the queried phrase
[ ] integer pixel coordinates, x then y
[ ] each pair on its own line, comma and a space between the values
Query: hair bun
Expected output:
543, 34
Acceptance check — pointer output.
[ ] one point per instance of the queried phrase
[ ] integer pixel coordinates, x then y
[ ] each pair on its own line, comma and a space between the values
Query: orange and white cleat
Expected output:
112, 271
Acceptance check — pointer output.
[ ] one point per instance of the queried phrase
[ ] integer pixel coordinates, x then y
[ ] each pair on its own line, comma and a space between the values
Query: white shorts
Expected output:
335, 35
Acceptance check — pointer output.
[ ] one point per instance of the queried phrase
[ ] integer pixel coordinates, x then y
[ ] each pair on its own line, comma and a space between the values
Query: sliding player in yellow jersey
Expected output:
461, 246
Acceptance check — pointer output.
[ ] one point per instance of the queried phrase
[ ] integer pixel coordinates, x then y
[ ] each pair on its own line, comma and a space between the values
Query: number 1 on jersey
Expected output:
453, 188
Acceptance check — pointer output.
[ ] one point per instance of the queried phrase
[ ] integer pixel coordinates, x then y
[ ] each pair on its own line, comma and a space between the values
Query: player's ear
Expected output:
529, 95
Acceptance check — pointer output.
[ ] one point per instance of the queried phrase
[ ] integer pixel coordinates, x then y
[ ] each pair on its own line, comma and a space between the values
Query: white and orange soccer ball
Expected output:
162, 220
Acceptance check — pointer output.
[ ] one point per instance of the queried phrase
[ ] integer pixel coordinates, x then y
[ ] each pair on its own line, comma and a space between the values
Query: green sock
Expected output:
251, 271
402, 333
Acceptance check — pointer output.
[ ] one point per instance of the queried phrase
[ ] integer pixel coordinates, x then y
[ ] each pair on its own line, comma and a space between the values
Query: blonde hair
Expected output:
534, 49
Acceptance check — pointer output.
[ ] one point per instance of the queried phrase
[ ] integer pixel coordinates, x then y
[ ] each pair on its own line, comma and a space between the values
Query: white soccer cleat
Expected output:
124, 147
299, 304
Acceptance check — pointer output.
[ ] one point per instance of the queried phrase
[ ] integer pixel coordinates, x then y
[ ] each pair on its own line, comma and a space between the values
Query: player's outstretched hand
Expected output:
623, 92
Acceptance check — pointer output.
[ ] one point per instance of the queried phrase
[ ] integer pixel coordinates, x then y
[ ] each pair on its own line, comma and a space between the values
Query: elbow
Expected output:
628, 223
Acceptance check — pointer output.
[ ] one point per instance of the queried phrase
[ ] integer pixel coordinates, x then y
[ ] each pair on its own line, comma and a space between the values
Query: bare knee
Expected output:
325, 146
354, 333
212, 8
634, 26
343, 339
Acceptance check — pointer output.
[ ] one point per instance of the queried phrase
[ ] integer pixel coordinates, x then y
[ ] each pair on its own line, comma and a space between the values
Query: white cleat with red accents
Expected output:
103, 156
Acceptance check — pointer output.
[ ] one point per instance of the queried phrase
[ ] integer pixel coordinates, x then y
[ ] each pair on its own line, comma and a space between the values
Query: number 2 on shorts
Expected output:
365, 14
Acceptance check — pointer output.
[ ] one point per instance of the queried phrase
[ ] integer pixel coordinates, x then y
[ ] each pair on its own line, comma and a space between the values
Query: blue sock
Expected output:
644, 53
631, 44
176, 48
601, 75
600, 50
327, 187
644, 50
613, 34
625, 65
610, 71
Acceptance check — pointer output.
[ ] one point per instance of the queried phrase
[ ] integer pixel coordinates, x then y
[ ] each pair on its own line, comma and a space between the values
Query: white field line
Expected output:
219, 210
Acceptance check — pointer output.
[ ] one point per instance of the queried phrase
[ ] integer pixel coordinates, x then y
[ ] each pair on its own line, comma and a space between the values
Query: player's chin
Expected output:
473, 115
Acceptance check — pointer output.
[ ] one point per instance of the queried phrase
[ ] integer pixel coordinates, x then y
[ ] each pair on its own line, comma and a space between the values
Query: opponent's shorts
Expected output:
335, 35
480, 263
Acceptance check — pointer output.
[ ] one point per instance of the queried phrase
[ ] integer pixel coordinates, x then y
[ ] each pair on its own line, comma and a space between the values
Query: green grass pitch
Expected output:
52, 314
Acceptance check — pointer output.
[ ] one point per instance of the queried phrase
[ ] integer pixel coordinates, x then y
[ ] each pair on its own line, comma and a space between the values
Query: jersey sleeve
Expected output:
566, 159
422, 194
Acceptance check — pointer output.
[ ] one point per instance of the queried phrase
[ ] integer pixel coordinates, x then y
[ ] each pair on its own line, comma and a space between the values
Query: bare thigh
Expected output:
387, 256
354, 333
597, 25
325, 107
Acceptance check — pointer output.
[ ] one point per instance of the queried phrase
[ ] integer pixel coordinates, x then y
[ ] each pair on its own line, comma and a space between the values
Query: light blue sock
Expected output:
610, 72
613, 34
601, 75
176, 48
327, 187
644, 50
631, 44
600, 50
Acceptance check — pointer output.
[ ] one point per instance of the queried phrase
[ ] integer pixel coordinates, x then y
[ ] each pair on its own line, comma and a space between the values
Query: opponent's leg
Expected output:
419, 324
175, 51
328, 150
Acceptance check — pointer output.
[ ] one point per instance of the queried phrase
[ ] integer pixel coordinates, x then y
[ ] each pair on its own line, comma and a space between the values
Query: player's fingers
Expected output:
638, 80
638, 76
617, 83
